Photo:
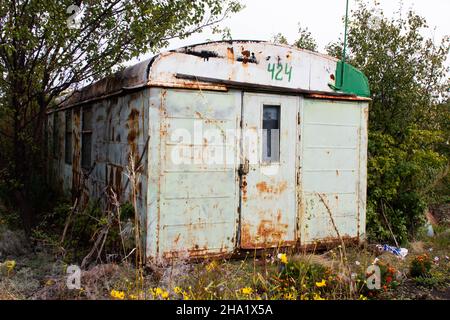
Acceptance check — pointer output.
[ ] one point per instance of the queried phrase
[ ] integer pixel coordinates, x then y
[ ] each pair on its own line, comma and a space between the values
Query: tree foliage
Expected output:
305, 40
46, 49
408, 134
279, 39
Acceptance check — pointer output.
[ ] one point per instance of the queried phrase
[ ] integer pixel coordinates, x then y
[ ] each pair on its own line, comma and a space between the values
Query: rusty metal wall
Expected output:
333, 153
191, 208
119, 128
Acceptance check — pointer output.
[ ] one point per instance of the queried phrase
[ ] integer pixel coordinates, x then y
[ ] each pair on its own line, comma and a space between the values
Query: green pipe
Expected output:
345, 45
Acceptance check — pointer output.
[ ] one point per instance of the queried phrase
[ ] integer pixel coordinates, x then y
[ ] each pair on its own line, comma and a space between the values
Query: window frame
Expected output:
267, 134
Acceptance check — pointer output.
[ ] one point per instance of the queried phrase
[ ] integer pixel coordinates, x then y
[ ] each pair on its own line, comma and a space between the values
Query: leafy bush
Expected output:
400, 172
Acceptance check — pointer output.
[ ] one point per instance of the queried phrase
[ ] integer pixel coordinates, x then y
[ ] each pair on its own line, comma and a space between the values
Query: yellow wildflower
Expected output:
317, 297
49, 283
177, 290
158, 291
321, 284
361, 297
211, 266
289, 296
118, 294
283, 258
10, 265
247, 290
186, 296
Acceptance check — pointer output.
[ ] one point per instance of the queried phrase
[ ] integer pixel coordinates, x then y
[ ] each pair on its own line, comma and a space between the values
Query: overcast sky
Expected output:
261, 19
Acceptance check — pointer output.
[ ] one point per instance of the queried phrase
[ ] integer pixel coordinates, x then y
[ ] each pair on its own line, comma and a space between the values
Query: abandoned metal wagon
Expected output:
243, 145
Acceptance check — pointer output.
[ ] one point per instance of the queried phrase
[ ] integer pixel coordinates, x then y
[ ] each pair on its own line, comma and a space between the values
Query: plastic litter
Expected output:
399, 252
430, 231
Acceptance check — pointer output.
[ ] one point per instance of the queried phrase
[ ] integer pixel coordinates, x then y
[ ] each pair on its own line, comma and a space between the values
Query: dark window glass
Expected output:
271, 134
68, 138
86, 138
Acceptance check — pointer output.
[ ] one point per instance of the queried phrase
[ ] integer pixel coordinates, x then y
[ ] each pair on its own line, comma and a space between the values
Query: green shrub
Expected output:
400, 173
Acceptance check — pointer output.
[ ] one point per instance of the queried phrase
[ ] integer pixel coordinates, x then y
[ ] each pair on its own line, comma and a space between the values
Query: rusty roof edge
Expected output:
98, 98
278, 89
128, 79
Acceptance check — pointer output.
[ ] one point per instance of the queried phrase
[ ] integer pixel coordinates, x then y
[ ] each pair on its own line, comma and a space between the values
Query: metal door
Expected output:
268, 170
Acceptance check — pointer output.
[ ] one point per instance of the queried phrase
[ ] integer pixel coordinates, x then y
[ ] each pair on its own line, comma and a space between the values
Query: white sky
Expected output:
261, 19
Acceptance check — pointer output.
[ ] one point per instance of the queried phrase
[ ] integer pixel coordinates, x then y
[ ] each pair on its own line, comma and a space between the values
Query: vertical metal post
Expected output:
345, 44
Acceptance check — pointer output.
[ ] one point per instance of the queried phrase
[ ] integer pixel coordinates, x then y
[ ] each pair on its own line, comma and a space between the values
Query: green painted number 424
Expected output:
278, 70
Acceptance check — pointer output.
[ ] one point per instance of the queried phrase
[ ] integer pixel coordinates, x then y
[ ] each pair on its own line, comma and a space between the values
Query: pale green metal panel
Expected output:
333, 158
362, 188
195, 197
154, 169
269, 204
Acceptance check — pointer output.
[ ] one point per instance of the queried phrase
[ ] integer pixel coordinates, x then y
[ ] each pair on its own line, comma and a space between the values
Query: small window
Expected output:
271, 134
86, 138
68, 138
55, 138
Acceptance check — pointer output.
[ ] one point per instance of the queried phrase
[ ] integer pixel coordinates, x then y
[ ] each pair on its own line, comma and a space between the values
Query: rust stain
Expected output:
334, 97
230, 55
263, 187
177, 239
246, 237
198, 85
115, 178
133, 132
246, 56
198, 254
270, 232
267, 234
244, 188
289, 56
279, 216
118, 180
